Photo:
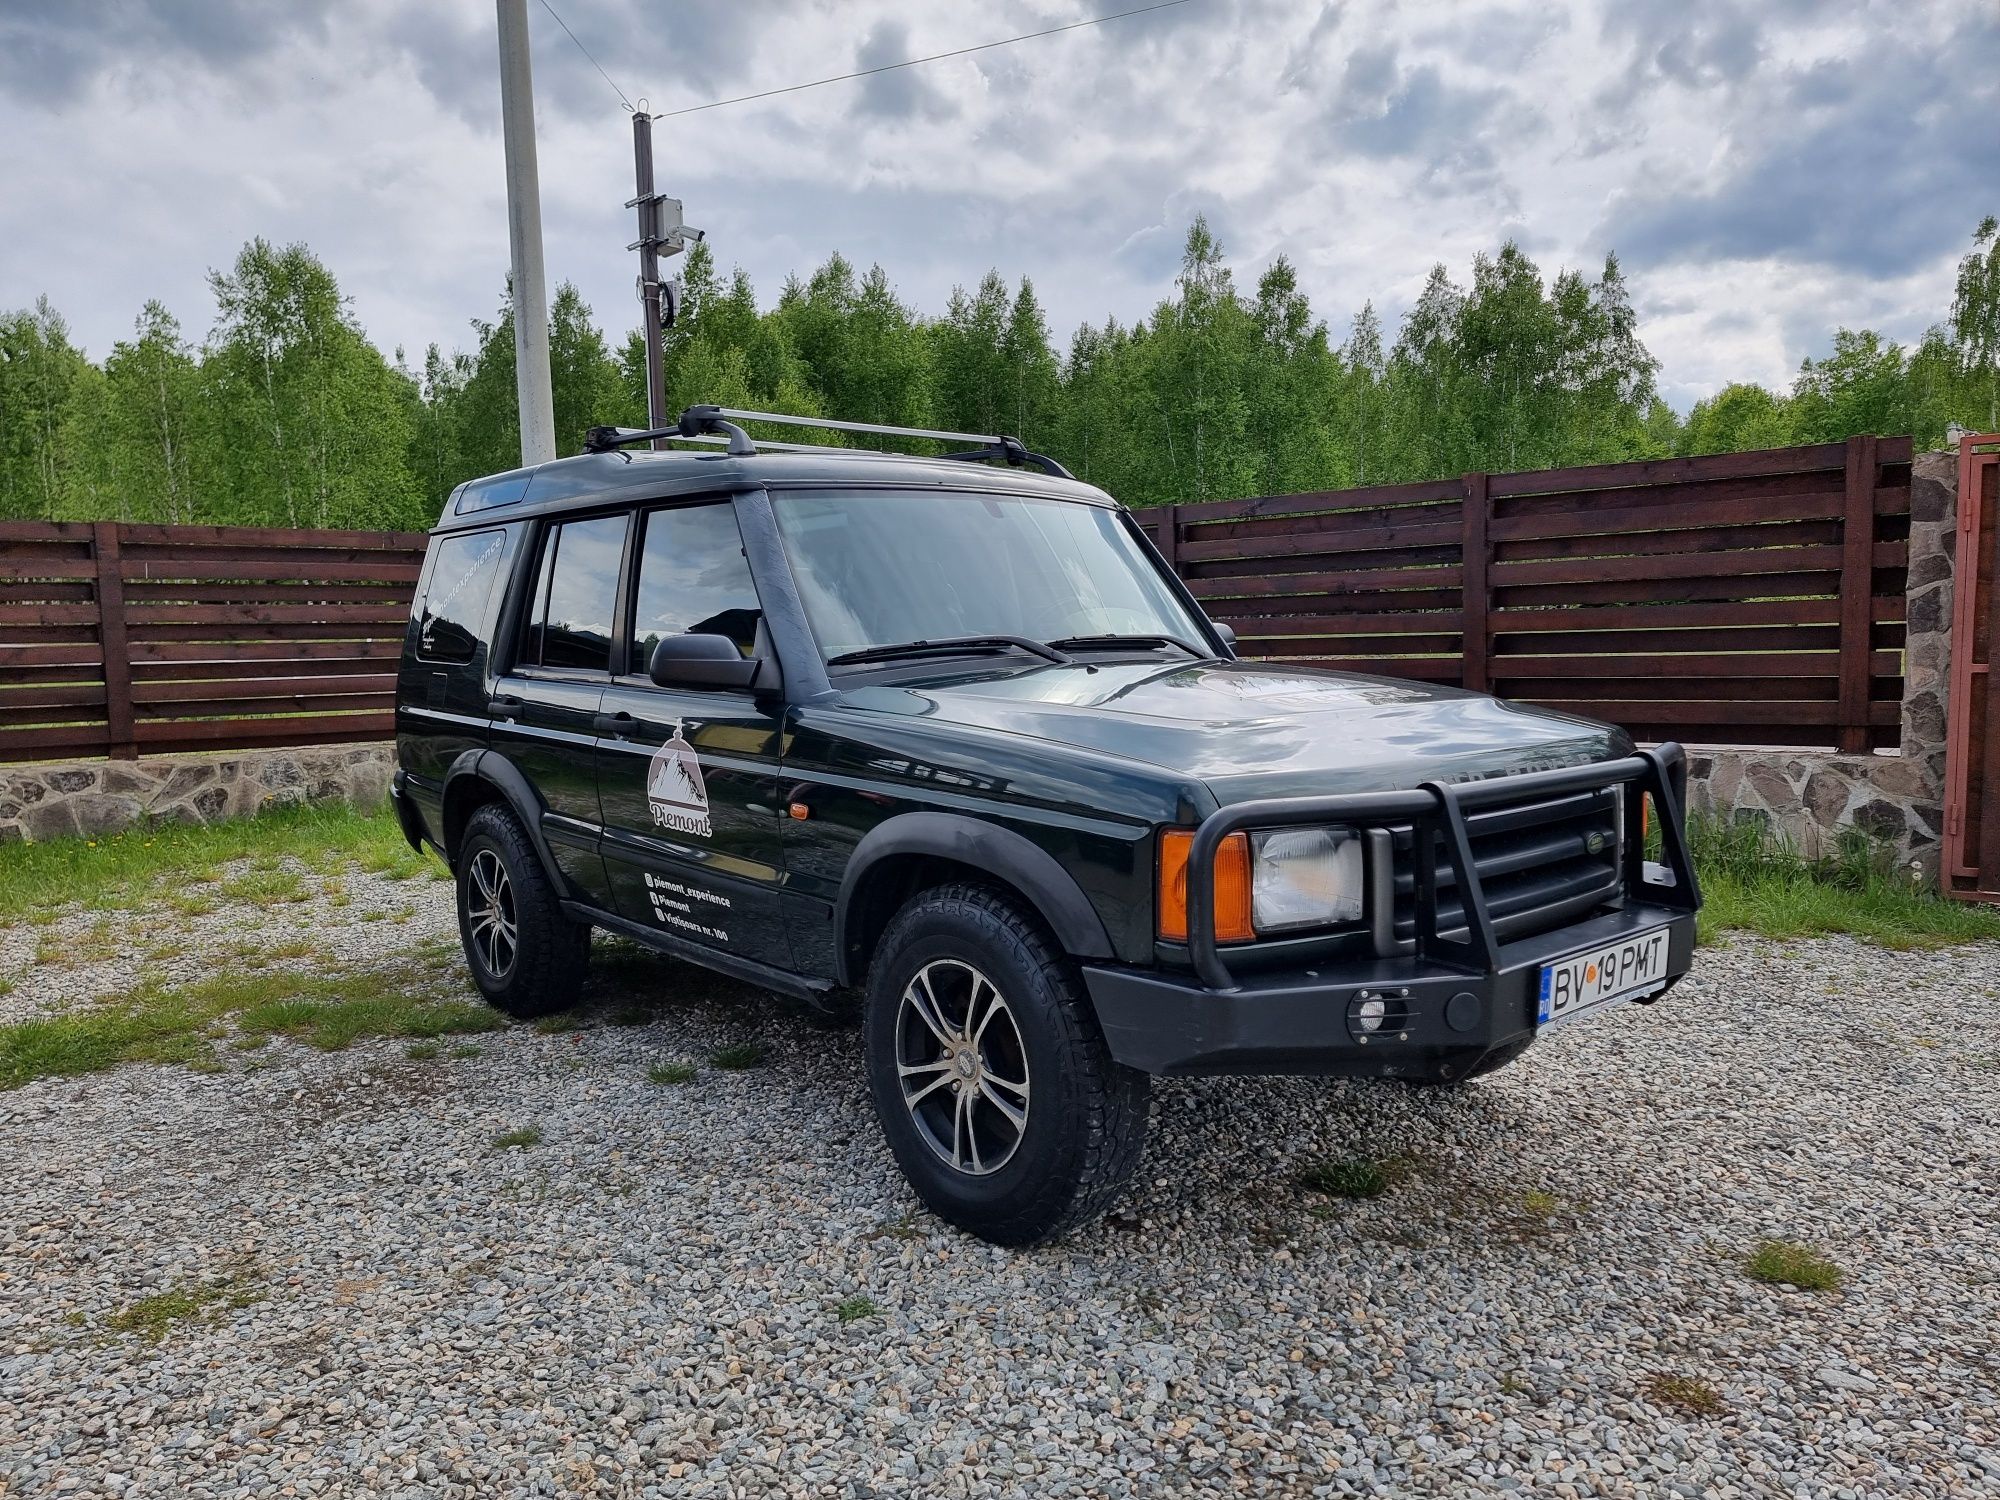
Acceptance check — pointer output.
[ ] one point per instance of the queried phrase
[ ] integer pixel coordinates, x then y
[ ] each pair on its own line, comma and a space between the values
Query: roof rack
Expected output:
714, 421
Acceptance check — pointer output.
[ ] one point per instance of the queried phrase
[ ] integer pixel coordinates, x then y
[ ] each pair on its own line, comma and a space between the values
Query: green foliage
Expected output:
154, 1022
127, 869
735, 1057
853, 1309
1686, 1393
312, 427
286, 415
1755, 881
1782, 1263
1356, 1176
671, 1070
152, 1318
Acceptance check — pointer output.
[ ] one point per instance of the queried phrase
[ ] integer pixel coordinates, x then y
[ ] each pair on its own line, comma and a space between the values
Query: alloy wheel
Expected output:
962, 1065
494, 929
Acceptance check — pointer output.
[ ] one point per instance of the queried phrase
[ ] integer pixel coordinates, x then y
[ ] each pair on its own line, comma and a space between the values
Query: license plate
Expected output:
1600, 977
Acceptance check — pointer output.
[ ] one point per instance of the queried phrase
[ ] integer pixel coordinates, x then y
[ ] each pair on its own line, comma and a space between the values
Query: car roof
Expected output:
608, 478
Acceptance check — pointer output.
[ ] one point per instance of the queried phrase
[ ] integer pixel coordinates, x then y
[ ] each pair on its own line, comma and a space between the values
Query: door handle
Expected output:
615, 726
504, 706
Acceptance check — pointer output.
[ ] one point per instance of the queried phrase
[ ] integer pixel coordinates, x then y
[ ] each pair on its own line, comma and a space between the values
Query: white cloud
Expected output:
1767, 170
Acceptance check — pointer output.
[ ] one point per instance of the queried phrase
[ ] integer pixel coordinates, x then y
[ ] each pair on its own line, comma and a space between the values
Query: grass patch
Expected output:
1782, 1263
631, 1015
557, 1024
517, 1140
1686, 1393
265, 888
142, 864
152, 1318
1356, 1176
156, 1022
853, 1309
422, 1051
737, 1056
94, 944
463, 1050
675, 1070
1754, 880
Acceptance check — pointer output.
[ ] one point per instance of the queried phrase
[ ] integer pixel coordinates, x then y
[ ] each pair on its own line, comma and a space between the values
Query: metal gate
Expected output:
1972, 760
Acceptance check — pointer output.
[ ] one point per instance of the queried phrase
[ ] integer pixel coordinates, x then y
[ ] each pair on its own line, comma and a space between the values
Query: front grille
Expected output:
1535, 861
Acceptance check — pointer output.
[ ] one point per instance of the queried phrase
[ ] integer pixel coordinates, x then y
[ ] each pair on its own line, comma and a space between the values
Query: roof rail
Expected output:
714, 421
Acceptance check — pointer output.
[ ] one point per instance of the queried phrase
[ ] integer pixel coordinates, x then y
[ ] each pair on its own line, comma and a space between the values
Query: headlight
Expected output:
1304, 877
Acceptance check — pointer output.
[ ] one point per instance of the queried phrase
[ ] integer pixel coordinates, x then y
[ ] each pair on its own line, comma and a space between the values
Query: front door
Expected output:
546, 706
689, 777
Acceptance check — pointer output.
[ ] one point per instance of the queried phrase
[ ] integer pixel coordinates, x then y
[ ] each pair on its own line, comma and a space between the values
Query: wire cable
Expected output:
1028, 36
629, 106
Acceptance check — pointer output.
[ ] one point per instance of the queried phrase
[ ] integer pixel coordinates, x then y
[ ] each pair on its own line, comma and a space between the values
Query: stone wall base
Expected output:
44, 801
1806, 797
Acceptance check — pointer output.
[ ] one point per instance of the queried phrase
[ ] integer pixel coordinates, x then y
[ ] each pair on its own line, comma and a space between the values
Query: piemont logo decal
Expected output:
675, 789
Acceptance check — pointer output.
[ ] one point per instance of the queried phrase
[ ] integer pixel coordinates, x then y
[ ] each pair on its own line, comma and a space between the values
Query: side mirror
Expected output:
1227, 632
701, 661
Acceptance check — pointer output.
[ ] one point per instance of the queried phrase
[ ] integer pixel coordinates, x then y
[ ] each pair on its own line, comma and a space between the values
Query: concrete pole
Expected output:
524, 233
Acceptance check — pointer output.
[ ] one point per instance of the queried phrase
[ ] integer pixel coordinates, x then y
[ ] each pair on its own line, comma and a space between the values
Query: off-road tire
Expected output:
1492, 1062
546, 971
1086, 1116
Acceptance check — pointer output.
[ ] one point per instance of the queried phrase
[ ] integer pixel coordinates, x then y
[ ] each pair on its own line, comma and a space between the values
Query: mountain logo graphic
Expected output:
675, 789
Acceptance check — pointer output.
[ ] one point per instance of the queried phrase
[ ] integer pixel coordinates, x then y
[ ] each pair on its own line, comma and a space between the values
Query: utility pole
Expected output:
524, 234
649, 271
660, 232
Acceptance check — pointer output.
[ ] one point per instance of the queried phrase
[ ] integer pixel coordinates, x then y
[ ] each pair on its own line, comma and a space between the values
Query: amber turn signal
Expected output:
1232, 887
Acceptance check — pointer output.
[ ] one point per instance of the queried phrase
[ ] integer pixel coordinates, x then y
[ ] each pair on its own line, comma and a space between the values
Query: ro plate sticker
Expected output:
675, 789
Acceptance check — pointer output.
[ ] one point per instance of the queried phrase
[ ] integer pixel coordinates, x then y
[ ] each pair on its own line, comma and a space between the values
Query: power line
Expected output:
593, 61
1028, 36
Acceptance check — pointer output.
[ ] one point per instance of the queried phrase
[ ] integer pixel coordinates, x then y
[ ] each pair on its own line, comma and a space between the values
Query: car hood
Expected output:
1258, 729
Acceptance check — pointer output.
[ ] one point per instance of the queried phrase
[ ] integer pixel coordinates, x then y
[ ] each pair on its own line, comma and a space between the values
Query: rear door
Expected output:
690, 777
545, 707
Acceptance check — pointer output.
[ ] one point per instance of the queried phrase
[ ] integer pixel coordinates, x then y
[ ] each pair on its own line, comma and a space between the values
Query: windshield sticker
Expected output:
675, 789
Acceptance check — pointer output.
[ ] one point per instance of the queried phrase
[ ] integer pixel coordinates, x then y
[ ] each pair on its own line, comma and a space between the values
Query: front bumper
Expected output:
1462, 989
1165, 1022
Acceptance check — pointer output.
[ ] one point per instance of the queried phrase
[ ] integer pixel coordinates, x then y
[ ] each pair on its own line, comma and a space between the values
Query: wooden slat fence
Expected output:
1749, 598
119, 639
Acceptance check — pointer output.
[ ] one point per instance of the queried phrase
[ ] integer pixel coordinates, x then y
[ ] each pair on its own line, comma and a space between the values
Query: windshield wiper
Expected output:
1095, 642
944, 645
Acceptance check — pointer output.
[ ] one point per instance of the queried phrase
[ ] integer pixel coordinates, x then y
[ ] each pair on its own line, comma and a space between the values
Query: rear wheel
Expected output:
526, 956
992, 1082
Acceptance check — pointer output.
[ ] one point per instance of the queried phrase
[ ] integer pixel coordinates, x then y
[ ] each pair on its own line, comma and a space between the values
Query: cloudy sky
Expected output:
1766, 169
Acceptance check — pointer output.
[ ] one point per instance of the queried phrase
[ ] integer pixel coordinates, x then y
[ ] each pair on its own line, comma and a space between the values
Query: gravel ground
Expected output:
649, 1299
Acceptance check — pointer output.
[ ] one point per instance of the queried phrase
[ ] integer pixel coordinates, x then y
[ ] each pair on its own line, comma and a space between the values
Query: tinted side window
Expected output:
576, 594
693, 578
454, 609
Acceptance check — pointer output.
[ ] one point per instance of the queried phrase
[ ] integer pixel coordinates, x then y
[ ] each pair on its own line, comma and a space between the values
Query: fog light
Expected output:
1380, 1016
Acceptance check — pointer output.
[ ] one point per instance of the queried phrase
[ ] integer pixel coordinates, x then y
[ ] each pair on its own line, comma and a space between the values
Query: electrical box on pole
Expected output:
661, 233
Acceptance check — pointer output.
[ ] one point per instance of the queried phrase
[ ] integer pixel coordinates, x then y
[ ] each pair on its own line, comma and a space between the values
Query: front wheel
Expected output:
526, 956
993, 1084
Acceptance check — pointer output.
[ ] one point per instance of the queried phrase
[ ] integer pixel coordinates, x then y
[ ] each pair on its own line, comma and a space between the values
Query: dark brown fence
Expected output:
120, 639
1752, 598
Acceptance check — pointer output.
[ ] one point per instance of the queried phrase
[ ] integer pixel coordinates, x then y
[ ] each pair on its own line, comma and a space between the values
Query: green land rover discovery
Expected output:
944, 741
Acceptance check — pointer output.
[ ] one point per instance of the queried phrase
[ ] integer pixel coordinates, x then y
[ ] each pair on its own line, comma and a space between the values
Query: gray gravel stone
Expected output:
642, 1304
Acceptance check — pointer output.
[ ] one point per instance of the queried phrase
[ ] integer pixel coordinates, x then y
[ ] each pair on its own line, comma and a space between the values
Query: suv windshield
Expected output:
882, 567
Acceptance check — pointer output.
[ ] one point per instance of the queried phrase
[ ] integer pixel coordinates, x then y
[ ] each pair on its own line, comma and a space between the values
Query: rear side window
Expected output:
576, 595
693, 578
454, 608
